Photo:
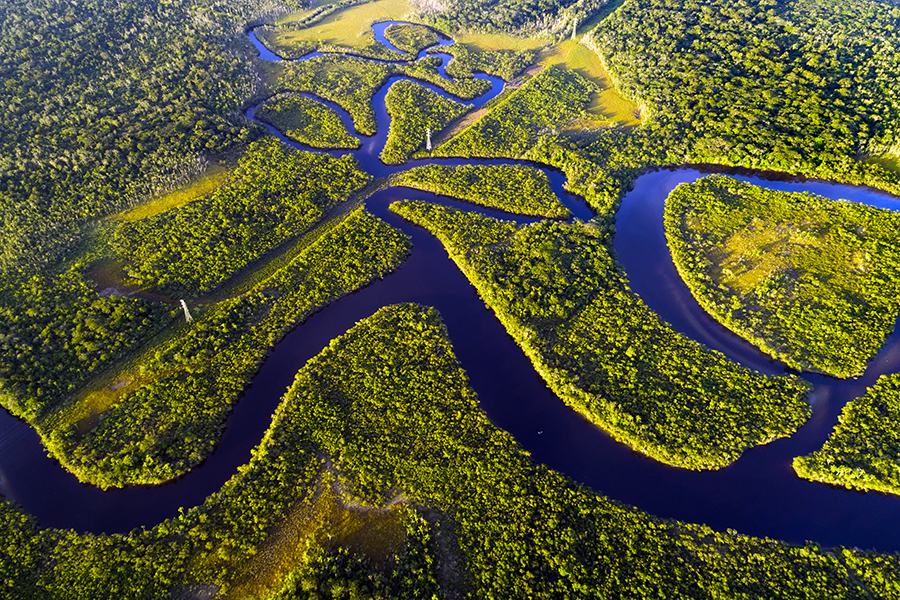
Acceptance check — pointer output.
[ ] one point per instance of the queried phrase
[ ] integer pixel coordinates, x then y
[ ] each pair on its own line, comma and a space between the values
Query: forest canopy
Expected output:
811, 281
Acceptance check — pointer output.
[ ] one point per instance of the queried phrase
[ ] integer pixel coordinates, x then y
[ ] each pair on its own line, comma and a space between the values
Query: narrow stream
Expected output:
758, 495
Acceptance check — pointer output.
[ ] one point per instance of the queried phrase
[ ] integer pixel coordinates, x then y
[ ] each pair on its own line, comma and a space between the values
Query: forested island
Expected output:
186, 186
813, 282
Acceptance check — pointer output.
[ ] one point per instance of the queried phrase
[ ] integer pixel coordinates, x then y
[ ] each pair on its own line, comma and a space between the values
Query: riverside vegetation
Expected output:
170, 414
306, 121
410, 38
517, 189
352, 82
105, 105
813, 282
56, 333
413, 110
384, 409
863, 451
549, 100
483, 520
557, 291
506, 64
274, 194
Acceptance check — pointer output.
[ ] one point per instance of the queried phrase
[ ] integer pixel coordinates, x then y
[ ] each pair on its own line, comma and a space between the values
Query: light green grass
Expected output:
350, 27
607, 105
212, 178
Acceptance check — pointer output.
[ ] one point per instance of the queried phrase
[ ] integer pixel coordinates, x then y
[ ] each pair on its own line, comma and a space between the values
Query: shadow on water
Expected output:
758, 495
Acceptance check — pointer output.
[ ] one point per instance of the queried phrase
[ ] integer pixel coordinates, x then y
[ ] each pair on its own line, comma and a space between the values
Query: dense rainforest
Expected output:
517, 189
379, 476
559, 294
811, 281
356, 491
803, 86
106, 104
863, 451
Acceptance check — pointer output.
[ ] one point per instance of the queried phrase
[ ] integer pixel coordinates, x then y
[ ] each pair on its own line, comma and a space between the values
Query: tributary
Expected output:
758, 495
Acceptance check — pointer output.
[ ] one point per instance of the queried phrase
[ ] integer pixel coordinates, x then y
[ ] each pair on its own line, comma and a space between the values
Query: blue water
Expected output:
758, 495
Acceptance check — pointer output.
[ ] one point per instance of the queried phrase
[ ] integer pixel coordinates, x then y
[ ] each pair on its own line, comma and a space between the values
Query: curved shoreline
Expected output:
758, 495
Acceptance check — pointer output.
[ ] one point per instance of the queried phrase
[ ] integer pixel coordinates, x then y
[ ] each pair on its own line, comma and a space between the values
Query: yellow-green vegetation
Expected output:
550, 100
863, 451
506, 64
558, 292
414, 110
891, 162
352, 531
335, 27
56, 332
811, 281
352, 82
214, 176
118, 102
491, 42
410, 38
389, 404
275, 194
514, 188
800, 87
172, 404
306, 121
607, 106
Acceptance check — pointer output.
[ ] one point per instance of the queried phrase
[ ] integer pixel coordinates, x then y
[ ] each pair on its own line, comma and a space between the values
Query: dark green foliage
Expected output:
390, 403
410, 38
172, 418
104, 103
558, 293
880, 573
306, 121
803, 86
811, 281
547, 17
604, 167
339, 572
413, 109
549, 100
351, 82
506, 64
863, 451
274, 194
513, 188
57, 332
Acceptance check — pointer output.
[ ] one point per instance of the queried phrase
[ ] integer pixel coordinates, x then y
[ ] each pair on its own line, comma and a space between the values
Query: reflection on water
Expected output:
758, 495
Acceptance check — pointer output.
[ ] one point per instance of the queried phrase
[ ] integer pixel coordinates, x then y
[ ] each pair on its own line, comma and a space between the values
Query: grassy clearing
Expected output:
212, 178
349, 27
607, 105
376, 533
811, 281
891, 162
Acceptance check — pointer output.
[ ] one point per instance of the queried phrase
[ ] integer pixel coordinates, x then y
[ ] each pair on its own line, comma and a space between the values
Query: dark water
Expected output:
758, 495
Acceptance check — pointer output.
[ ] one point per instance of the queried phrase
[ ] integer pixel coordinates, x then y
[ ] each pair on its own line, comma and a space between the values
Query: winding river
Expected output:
758, 495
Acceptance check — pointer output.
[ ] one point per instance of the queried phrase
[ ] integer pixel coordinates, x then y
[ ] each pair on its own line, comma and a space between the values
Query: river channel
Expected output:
758, 495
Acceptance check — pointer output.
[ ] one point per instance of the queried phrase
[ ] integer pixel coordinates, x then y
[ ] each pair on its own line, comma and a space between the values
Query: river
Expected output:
758, 495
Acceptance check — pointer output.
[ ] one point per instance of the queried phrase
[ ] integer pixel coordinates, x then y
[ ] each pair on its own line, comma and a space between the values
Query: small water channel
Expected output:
758, 495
